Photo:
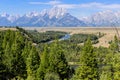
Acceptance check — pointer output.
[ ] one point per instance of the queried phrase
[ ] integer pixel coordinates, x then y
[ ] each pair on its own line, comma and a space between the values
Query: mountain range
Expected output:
59, 17
103, 19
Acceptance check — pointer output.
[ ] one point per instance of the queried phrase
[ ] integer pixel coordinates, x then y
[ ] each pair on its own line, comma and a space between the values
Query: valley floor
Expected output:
103, 41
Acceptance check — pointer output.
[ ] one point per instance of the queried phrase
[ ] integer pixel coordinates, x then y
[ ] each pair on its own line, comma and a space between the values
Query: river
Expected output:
67, 36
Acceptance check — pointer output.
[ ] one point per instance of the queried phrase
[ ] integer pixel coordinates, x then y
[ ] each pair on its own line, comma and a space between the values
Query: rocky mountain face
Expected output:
59, 17
105, 19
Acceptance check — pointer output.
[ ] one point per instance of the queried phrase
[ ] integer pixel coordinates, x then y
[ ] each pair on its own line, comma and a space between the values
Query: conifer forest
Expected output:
31, 55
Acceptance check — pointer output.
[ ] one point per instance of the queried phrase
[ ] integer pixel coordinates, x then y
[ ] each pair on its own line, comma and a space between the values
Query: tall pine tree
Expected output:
44, 64
58, 63
32, 64
88, 69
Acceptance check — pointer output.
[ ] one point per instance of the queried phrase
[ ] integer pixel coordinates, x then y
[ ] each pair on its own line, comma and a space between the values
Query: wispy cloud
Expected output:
86, 5
46, 3
91, 5
99, 5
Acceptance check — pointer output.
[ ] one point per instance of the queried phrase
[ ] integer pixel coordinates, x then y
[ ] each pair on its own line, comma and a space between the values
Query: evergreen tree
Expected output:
116, 66
113, 59
26, 50
51, 76
88, 64
32, 64
13, 45
8, 37
2, 67
44, 65
7, 58
58, 63
106, 74
115, 45
7, 61
17, 48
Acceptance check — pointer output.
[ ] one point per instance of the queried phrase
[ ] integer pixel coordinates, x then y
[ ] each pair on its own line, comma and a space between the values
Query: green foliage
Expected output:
116, 66
101, 53
88, 62
7, 38
20, 59
2, 67
115, 45
44, 37
26, 50
105, 76
109, 66
32, 64
53, 60
12, 55
51, 76
81, 38
13, 43
58, 61
43, 68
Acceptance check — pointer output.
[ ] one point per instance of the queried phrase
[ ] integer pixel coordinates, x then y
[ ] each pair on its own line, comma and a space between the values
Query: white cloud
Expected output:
91, 5
99, 5
86, 5
46, 3
67, 6
111, 6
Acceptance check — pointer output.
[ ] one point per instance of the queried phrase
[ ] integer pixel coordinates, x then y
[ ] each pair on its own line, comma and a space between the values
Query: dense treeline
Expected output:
46, 36
20, 59
42, 37
81, 38
99, 63
15, 51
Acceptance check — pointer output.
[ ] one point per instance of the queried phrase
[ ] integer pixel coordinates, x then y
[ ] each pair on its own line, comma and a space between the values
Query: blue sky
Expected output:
78, 8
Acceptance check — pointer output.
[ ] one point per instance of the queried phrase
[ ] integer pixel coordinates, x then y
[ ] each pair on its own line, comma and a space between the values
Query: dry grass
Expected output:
7, 29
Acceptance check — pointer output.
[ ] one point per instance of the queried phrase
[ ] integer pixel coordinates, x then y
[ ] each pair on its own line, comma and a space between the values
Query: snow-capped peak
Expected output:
56, 12
5, 15
57, 16
43, 12
32, 14
12, 18
103, 18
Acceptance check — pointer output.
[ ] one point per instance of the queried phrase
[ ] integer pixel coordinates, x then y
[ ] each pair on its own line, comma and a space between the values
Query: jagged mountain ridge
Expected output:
57, 17
105, 19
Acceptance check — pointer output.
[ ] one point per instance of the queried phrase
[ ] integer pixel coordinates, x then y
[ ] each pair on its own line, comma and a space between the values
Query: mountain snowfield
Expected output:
59, 17
106, 18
